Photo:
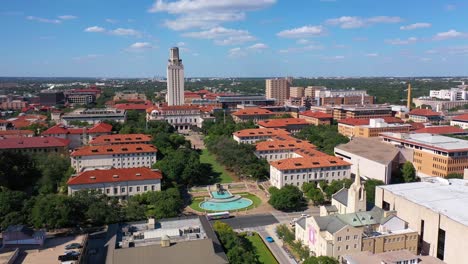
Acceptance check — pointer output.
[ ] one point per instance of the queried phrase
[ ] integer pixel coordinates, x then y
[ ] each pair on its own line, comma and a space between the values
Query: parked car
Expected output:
269, 239
305, 215
72, 253
73, 246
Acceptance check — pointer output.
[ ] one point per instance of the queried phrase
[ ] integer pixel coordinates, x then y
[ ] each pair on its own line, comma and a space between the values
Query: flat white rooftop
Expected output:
446, 197
431, 140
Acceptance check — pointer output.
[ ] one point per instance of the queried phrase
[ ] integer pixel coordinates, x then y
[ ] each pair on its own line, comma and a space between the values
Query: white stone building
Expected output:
181, 117
253, 135
175, 79
94, 116
297, 171
121, 183
461, 121
113, 156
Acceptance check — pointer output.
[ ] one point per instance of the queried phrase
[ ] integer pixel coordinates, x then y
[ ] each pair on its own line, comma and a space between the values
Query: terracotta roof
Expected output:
115, 175
423, 112
308, 163
128, 106
283, 122
114, 149
284, 145
260, 132
61, 129
26, 120
318, 115
440, 130
15, 133
252, 111
120, 138
33, 142
416, 126
463, 118
366, 121
101, 128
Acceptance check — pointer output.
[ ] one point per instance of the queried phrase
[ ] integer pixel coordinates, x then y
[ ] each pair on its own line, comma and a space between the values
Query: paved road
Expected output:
285, 218
251, 221
275, 248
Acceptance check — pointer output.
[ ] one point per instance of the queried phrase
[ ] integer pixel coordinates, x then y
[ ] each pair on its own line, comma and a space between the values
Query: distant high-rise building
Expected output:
277, 89
296, 92
175, 79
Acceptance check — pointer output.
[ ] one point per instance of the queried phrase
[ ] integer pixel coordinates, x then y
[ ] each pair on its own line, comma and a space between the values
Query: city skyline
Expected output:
253, 38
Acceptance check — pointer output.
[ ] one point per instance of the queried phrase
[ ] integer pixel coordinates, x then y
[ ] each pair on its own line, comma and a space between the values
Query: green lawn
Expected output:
195, 205
207, 157
263, 252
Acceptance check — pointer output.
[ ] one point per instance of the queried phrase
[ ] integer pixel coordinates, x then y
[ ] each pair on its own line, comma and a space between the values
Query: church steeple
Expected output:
356, 195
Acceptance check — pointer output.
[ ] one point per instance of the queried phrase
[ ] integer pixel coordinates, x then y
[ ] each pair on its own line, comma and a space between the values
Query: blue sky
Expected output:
131, 38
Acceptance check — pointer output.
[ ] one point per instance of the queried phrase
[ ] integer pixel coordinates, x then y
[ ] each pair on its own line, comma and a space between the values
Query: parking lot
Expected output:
53, 248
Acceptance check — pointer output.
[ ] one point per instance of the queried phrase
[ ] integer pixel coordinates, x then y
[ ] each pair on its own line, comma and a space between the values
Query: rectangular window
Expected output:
130, 189
122, 190
339, 239
138, 188
116, 190
107, 190
152, 187
347, 238
145, 188
441, 244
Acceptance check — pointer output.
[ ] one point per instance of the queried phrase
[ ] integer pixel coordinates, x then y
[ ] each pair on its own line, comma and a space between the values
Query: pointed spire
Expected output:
357, 179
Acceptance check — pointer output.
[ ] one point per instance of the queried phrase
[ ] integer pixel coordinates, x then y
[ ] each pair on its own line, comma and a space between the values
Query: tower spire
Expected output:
357, 180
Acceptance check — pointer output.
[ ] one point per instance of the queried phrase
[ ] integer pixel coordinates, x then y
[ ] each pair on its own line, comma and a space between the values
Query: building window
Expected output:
107, 190
339, 248
145, 188
347, 247
130, 189
441, 244
339, 239
122, 190
347, 238
152, 187
355, 237
116, 190
138, 188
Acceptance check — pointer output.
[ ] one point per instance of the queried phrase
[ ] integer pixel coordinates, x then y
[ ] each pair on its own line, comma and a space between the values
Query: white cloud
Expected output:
206, 13
125, 32
67, 17
223, 36
348, 22
95, 29
44, 20
398, 41
449, 35
112, 21
416, 26
236, 52
302, 32
258, 46
372, 55
205, 20
301, 49
140, 46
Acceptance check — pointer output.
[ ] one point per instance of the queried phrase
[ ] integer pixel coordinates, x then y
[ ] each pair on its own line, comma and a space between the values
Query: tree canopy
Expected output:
326, 138
288, 198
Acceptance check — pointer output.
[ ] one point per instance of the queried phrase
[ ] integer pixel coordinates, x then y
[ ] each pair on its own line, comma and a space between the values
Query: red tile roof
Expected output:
252, 111
252, 132
61, 129
172, 108
115, 175
100, 128
416, 126
463, 118
423, 112
308, 163
284, 145
318, 115
26, 120
282, 122
114, 149
440, 130
120, 139
366, 121
33, 142
16, 133
128, 106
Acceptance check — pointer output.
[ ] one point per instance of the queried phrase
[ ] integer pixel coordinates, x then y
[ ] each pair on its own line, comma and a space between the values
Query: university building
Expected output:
252, 114
365, 127
292, 125
78, 136
316, 118
437, 209
346, 227
113, 156
253, 135
117, 139
361, 111
432, 155
120, 183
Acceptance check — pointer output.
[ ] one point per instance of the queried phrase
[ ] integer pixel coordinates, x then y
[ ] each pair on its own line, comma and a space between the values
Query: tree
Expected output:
11, 205
55, 170
162, 204
408, 172
454, 176
96, 208
369, 186
325, 137
316, 196
18, 172
287, 198
53, 211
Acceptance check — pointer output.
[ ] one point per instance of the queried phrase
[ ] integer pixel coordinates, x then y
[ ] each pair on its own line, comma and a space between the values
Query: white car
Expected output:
305, 215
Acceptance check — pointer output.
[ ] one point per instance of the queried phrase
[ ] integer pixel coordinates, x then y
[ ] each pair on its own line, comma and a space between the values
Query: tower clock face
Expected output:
312, 235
